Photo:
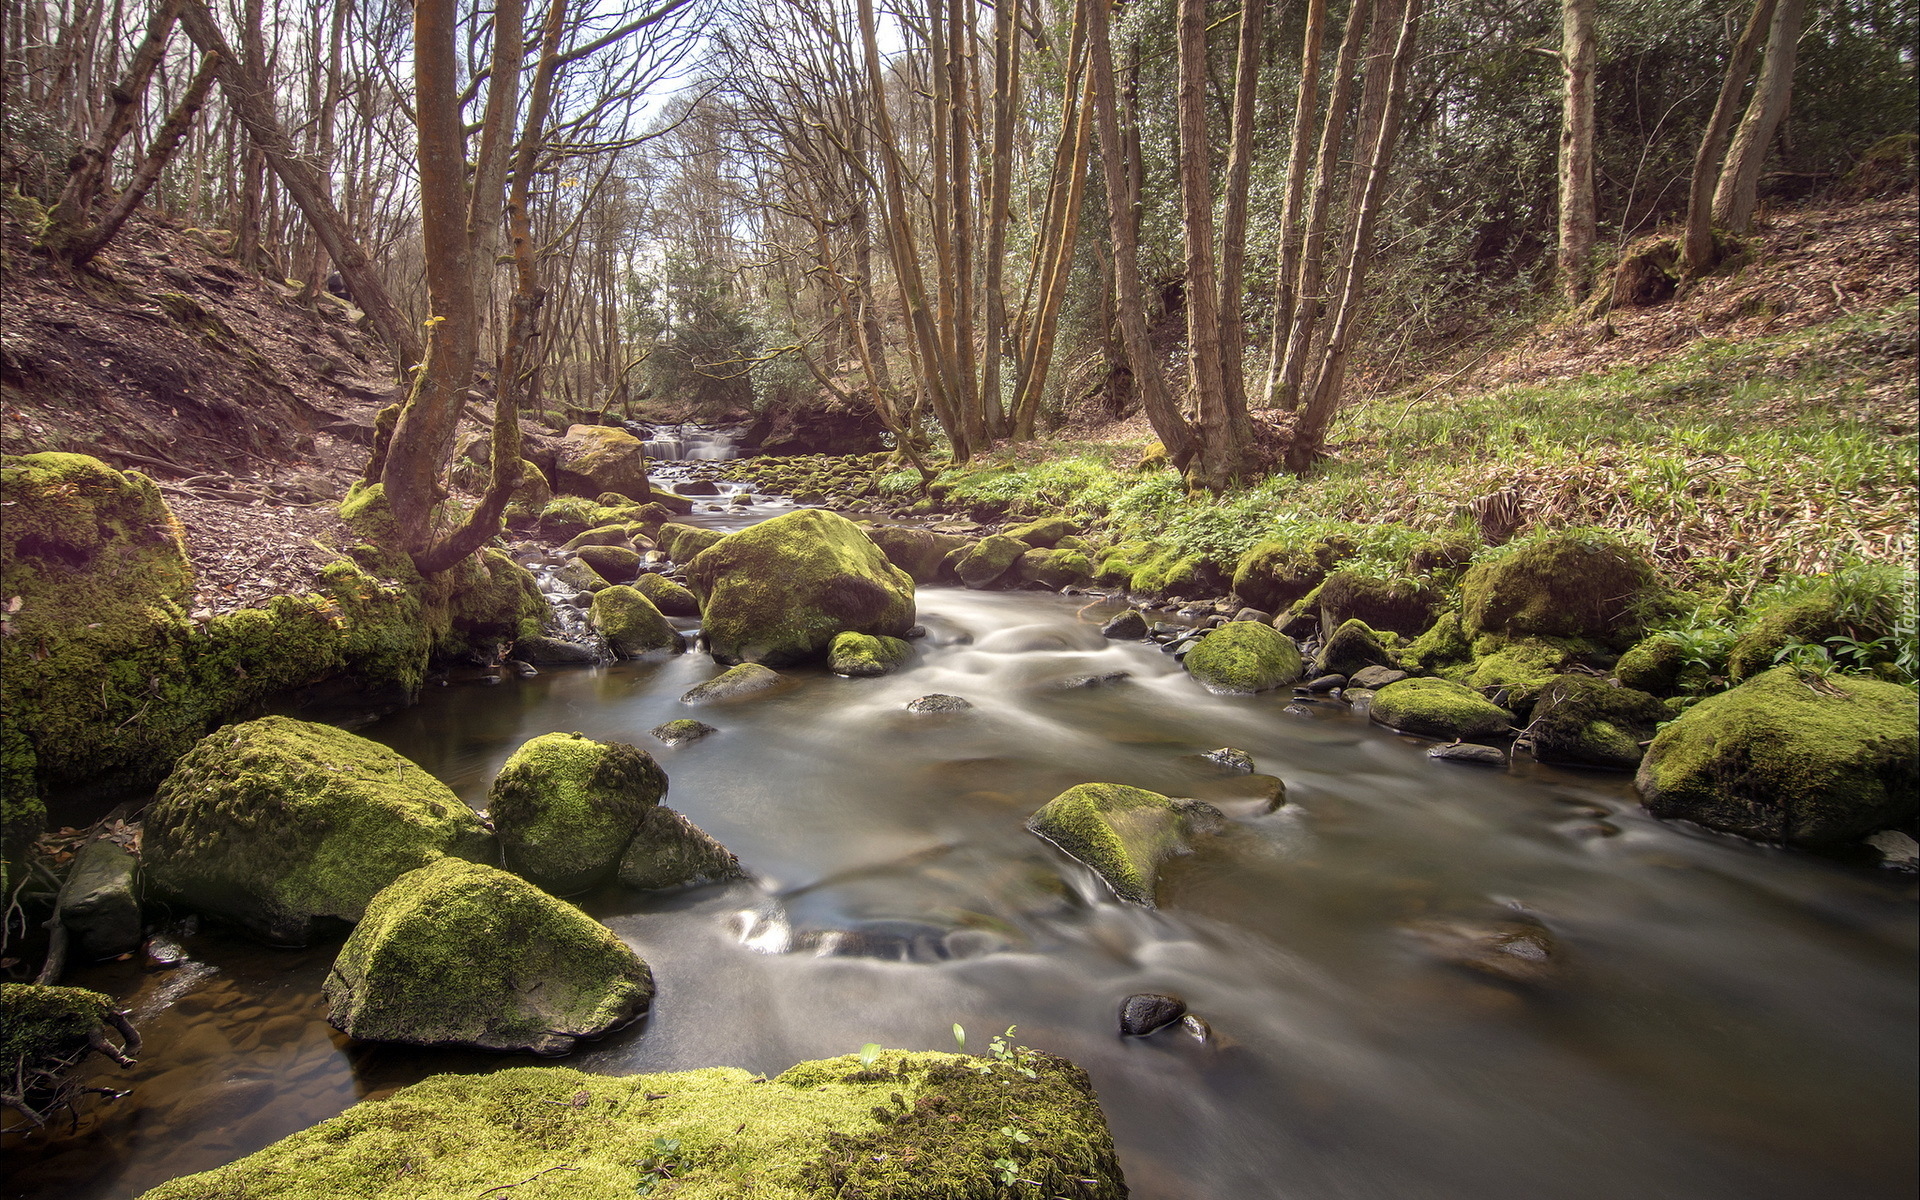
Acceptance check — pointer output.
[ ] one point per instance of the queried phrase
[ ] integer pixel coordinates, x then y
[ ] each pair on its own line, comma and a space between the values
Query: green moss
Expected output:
367, 513
279, 825
927, 1126
1393, 605
387, 637
984, 562
530, 497
1244, 656
1044, 533
1653, 664
669, 851
631, 623
920, 553
254, 653
46, 1026
1444, 644
1274, 574
565, 516
863, 655
1860, 610
1054, 569
22, 813
1585, 721
1349, 648
494, 600
615, 563
779, 592
1585, 584
669, 597
565, 807
1122, 833
1523, 666
457, 953
1165, 573
1439, 708
683, 542
1805, 760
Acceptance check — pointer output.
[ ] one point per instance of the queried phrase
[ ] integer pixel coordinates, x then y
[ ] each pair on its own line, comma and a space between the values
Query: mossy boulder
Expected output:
683, 543
284, 826
462, 954
779, 592
46, 1027
672, 599
565, 516
1053, 569
734, 683
1352, 647
1116, 564
579, 575
620, 533
631, 624
1273, 575
1523, 667
1652, 665
1811, 620
1044, 533
669, 851
1244, 656
565, 807
1806, 760
921, 553
1122, 833
1439, 708
1584, 585
925, 1125
1391, 605
1583, 721
986, 561
493, 600
1166, 572
862, 655
616, 564
593, 459
1444, 644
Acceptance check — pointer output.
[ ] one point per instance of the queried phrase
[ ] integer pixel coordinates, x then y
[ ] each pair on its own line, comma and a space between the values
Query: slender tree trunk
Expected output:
1006, 101
1285, 295
1577, 221
1058, 250
1736, 195
961, 140
1310, 432
1310, 303
1697, 250
174, 131
1162, 412
1233, 219
251, 100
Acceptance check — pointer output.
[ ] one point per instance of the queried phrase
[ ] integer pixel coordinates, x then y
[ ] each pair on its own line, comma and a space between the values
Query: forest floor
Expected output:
252, 404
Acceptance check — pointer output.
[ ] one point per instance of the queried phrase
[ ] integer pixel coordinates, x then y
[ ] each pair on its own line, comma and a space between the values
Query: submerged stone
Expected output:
1468, 752
679, 733
747, 679
939, 702
565, 807
1144, 1012
281, 825
1804, 760
928, 1126
468, 955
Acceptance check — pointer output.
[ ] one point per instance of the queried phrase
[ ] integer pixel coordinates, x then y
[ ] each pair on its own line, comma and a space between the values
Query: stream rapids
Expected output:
1723, 1021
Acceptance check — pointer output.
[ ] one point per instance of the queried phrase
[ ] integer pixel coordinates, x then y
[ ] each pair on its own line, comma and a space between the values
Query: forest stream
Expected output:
1712, 1020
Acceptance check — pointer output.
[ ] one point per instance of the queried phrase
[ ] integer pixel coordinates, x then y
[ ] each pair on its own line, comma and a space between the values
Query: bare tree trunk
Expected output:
165, 142
1310, 303
1285, 295
1697, 252
1164, 415
251, 100
1233, 219
93, 161
1057, 250
1577, 221
1734, 198
1310, 432
1006, 101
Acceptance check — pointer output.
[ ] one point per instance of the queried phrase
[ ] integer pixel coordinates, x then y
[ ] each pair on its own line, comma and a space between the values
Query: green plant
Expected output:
659, 1166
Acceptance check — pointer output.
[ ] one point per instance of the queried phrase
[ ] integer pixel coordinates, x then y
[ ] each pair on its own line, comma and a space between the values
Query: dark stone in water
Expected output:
163, 951
1377, 677
1098, 679
1519, 952
1228, 759
1327, 683
938, 703
677, 733
1467, 752
918, 631
1144, 1012
1128, 626
523, 670
553, 651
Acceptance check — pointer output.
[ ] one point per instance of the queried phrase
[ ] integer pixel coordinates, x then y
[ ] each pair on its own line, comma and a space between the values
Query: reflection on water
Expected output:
1725, 1021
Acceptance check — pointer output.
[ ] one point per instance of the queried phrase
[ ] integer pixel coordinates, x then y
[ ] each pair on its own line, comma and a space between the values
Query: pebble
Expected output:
1144, 1012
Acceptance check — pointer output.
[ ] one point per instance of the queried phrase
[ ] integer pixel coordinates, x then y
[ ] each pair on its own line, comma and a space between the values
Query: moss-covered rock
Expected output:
1273, 575
565, 516
670, 598
631, 623
1804, 760
684, 542
1652, 665
593, 459
779, 592
46, 1027
530, 497
921, 553
1350, 648
927, 1125
1115, 565
1054, 569
616, 564
1439, 708
565, 807
1523, 667
386, 636
579, 575
494, 600
1585, 585
986, 561
1811, 619
734, 683
1392, 605
100, 901
1444, 644
1166, 572
463, 954
1244, 656
1122, 833
862, 655
669, 851
1044, 533
282, 825
1588, 722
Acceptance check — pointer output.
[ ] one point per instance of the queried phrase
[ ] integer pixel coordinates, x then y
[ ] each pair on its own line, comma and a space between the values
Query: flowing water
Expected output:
1723, 1020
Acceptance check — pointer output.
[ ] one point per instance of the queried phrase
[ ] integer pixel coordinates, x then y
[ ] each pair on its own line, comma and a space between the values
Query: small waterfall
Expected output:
690, 443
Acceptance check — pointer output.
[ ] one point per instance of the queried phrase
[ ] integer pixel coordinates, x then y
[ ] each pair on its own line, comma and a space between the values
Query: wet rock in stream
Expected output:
747, 679
681, 732
939, 703
1144, 1012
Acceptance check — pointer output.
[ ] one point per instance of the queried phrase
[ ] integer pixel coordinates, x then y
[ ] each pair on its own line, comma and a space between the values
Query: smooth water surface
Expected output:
1725, 1021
